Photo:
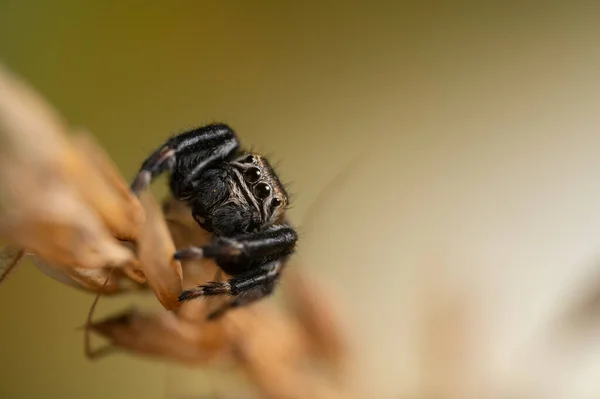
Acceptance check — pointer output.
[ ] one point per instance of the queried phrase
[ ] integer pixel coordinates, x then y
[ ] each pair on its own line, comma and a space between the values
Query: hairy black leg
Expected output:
245, 300
247, 287
246, 251
194, 150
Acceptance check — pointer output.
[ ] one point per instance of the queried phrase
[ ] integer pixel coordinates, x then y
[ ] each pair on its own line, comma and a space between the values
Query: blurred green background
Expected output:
481, 125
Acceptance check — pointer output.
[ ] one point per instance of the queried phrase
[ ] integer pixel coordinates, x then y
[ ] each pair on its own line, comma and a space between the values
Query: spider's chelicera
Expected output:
235, 195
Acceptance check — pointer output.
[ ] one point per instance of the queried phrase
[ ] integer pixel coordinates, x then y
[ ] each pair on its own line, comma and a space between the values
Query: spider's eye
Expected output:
249, 159
275, 202
262, 190
252, 175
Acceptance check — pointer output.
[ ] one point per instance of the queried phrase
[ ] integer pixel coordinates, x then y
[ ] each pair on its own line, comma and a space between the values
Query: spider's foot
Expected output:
212, 288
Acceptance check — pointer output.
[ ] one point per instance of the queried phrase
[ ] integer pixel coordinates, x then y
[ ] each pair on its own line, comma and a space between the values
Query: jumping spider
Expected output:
235, 195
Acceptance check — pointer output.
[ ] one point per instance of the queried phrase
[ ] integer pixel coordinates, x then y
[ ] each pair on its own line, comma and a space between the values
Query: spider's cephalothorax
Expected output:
238, 197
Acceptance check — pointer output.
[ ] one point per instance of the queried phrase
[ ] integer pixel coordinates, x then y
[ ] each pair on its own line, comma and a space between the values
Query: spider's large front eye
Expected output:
249, 159
252, 175
262, 190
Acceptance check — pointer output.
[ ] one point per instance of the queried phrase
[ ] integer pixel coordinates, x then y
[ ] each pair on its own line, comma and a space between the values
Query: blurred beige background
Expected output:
477, 135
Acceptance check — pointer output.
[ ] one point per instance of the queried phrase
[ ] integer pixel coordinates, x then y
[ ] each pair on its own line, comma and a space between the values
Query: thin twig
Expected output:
90, 354
10, 258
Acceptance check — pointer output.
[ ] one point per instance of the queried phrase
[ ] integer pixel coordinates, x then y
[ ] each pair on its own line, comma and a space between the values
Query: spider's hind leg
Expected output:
255, 260
244, 289
243, 300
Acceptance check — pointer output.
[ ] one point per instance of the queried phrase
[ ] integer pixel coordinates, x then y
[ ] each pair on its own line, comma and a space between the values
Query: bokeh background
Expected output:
444, 160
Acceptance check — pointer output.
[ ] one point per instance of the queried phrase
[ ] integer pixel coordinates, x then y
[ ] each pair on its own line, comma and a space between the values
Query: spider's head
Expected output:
246, 196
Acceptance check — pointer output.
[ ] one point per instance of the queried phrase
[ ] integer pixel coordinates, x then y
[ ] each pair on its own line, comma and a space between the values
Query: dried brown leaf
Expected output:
30, 130
165, 336
91, 280
40, 197
134, 272
104, 189
276, 381
273, 351
447, 324
61, 230
313, 310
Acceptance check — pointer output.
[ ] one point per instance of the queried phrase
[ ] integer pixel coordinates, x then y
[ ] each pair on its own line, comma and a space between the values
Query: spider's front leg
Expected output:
255, 260
188, 153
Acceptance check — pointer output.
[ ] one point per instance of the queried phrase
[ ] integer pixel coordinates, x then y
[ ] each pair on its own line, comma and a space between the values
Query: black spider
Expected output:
237, 196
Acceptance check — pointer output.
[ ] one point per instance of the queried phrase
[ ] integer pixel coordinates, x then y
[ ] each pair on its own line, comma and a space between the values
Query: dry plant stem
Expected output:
90, 354
10, 257
272, 352
64, 201
272, 346
319, 322
155, 253
447, 319
185, 232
